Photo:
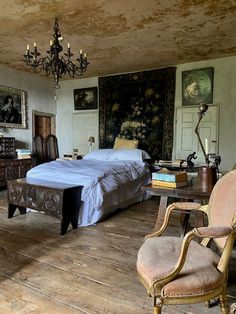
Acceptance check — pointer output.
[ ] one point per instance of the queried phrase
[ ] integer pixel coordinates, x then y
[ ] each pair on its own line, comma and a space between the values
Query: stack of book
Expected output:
23, 153
172, 179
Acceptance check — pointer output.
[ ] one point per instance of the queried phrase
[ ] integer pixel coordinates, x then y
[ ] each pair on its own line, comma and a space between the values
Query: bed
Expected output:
111, 179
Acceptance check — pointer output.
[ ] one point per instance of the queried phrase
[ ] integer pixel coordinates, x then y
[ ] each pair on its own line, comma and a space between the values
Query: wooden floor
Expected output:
89, 270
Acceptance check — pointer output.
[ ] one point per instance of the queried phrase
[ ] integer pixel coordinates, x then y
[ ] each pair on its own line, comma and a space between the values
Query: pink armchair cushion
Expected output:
199, 274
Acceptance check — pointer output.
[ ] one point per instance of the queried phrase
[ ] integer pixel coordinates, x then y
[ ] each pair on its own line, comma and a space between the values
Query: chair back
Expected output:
39, 149
52, 147
222, 204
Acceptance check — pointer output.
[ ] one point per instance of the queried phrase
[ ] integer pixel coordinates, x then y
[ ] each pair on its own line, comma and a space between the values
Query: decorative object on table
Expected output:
208, 173
197, 86
85, 98
138, 106
190, 164
91, 141
172, 179
12, 108
54, 64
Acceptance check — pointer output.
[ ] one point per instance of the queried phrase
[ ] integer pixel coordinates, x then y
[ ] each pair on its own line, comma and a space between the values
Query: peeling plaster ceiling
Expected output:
121, 35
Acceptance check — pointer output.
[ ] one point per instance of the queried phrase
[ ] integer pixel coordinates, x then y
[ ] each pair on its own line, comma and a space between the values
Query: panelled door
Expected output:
186, 138
85, 125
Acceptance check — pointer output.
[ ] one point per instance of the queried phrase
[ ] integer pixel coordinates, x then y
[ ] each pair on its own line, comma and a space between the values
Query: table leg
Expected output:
199, 218
161, 212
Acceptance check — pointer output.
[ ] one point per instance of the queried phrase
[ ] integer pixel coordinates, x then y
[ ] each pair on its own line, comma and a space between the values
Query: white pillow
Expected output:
118, 154
99, 154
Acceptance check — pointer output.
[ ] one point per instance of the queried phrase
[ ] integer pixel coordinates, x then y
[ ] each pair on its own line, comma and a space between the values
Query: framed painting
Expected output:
85, 98
12, 108
197, 87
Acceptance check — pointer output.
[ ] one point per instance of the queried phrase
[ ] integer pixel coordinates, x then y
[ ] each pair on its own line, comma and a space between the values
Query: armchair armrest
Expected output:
213, 232
179, 206
187, 206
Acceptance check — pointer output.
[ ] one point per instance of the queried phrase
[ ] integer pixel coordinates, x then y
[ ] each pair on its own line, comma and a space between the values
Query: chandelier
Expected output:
54, 64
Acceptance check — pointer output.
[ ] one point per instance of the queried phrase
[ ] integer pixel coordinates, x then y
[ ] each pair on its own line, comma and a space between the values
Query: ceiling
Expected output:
121, 35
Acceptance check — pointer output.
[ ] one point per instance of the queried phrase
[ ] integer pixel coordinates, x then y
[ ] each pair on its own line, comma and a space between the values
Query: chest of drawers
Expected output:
14, 169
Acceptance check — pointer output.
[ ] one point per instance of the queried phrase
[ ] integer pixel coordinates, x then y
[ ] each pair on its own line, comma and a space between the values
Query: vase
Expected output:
207, 177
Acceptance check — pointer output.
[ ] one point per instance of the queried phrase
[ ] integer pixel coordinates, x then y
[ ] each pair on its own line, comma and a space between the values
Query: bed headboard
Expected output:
138, 106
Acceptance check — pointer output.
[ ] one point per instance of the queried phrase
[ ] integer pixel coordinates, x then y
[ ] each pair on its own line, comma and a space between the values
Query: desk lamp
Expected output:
207, 174
202, 110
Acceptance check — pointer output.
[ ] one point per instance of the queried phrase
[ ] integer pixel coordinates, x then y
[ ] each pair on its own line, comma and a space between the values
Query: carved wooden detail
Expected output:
61, 201
14, 169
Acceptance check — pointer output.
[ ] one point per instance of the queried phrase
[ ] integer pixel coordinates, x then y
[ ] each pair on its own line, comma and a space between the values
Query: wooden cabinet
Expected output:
14, 169
7, 147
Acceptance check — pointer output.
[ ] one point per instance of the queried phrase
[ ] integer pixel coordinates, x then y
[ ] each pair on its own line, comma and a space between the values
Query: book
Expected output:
23, 151
167, 184
24, 156
170, 176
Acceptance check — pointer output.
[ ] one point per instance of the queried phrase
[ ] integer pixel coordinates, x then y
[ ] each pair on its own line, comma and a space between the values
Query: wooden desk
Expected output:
193, 192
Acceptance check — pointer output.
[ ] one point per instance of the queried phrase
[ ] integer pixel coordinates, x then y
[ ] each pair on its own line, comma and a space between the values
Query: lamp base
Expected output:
207, 177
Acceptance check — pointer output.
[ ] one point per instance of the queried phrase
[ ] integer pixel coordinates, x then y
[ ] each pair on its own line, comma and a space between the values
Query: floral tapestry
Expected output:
138, 106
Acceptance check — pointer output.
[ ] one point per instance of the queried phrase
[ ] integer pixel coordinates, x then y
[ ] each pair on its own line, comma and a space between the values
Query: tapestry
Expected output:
138, 106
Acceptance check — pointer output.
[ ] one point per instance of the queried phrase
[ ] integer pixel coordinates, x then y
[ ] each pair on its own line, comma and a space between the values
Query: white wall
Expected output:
66, 112
224, 95
39, 96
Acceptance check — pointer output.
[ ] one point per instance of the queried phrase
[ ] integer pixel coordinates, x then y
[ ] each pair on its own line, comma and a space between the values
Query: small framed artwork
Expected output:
85, 98
197, 87
12, 108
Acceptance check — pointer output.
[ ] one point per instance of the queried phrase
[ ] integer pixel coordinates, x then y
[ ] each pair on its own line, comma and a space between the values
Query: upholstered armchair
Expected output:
181, 270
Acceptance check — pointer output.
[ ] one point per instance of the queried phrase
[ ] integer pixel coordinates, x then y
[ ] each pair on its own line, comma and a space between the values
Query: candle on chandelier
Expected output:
35, 45
27, 47
68, 45
80, 52
50, 42
85, 55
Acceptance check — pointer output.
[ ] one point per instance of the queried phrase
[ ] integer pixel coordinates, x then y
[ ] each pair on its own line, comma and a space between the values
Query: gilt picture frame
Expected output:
12, 108
85, 98
197, 86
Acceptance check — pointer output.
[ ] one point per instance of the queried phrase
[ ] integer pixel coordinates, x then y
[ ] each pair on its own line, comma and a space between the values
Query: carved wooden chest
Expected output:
56, 199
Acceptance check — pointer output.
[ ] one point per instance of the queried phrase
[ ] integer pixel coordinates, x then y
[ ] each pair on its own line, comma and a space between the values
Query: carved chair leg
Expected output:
157, 305
157, 309
224, 304
208, 304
